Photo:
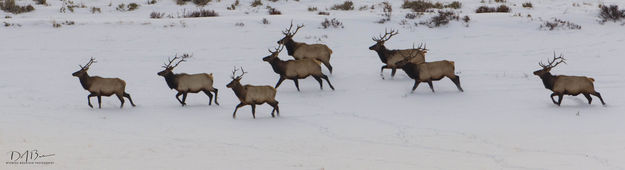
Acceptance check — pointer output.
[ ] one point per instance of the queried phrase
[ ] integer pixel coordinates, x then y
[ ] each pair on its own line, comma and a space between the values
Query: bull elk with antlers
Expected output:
429, 71
252, 95
98, 86
188, 83
391, 57
296, 69
300, 50
566, 85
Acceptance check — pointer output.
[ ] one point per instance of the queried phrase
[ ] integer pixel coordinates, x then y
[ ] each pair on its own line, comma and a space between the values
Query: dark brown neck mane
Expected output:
383, 53
239, 90
278, 65
170, 78
84, 81
290, 46
548, 80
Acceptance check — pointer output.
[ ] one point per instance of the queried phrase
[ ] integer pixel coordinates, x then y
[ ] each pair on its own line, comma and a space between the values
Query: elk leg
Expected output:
274, 104
254, 111
328, 80
210, 97
178, 98
184, 98
382, 70
279, 82
416, 83
234, 115
89, 99
215, 91
588, 97
121, 99
553, 100
599, 96
560, 96
296, 83
456, 81
393, 71
129, 98
99, 101
328, 65
320, 81
431, 86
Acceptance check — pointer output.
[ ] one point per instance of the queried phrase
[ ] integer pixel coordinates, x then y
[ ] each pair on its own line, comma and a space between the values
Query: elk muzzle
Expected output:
77, 73
162, 73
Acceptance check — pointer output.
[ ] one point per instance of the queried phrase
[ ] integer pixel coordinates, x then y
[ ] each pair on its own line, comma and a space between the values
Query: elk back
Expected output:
319, 51
194, 82
573, 85
259, 94
302, 68
106, 86
435, 70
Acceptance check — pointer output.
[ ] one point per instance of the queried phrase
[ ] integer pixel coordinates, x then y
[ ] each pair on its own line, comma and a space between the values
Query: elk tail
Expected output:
316, 61
210, 75
591, 79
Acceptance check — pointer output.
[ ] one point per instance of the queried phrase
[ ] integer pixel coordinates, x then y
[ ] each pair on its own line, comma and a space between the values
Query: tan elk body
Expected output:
98, 86
298, 50
296, 69
188, 83
252, 95
430, 71
566, 85
391, 57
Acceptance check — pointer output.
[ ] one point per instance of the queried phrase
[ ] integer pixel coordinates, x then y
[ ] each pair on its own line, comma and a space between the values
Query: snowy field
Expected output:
503, 120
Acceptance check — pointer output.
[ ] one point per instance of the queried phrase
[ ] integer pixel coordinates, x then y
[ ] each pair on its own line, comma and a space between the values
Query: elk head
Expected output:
235, 78
83, 69
379, 41
553, 63
274, 54
169, 67
288, 35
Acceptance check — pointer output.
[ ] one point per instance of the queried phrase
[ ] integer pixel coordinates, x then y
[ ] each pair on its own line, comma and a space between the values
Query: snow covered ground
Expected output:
503, 120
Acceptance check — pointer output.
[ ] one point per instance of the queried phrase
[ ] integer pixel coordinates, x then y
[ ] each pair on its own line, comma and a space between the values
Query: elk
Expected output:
429, 71
252, 95
300, 51
98, 86
188, 83
391, 57
569, 85
295, 69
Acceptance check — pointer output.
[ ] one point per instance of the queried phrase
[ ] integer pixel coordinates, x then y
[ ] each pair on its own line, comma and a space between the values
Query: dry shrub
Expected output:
334, 23
610, 13
201, 13
10, 7
345, 6
559, 24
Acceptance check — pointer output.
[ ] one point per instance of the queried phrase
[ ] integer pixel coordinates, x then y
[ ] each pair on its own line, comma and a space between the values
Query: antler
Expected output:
384, 38
551, 63
91, 61
235, 71
288, 31
422, 47
278, 49
182, 59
